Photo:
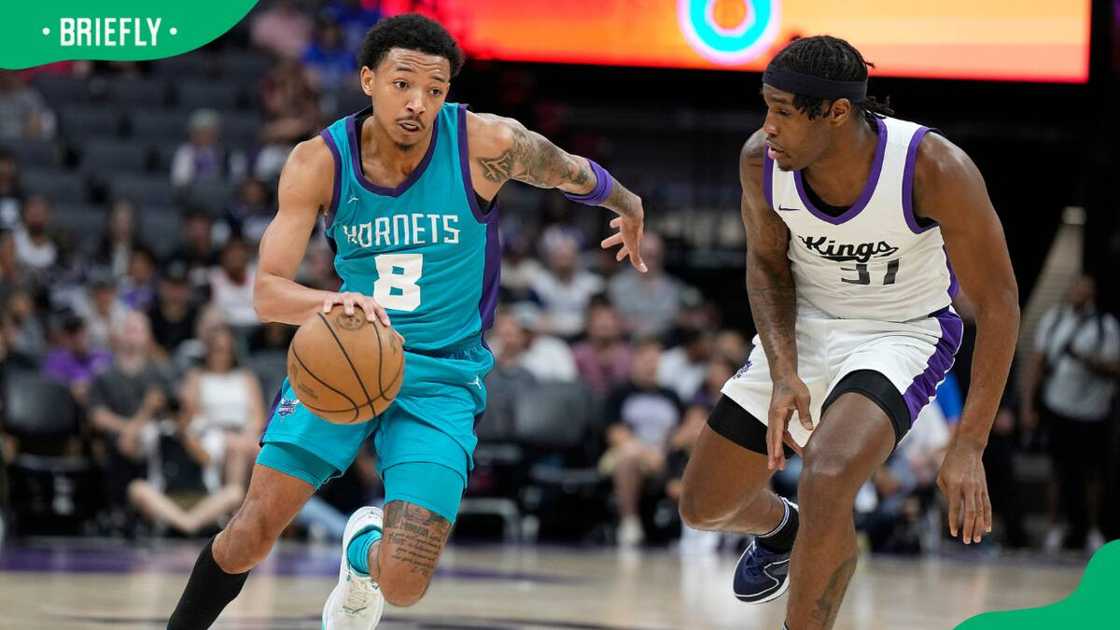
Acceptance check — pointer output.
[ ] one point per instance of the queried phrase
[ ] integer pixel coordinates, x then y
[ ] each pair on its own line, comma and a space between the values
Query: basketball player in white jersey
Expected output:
858, 227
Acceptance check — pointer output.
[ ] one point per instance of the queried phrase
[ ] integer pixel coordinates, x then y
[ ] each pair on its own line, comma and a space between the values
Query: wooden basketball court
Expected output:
95, 584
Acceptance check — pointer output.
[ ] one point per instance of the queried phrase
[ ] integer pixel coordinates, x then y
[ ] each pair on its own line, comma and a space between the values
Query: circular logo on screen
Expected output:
729, 31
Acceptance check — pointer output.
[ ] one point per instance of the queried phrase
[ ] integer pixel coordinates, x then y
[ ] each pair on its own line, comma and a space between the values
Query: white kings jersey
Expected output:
875, 260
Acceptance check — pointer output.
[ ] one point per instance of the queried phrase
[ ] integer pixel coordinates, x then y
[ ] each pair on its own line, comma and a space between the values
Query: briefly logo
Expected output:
352, 199
286, 407
477, 382
847, 252
729, 32
785, 209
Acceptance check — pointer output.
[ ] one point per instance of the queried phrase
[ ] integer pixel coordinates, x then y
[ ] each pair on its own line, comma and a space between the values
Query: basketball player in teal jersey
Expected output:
405, 191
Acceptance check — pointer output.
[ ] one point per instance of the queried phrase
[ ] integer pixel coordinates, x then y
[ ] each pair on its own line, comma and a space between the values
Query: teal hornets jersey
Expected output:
424, 250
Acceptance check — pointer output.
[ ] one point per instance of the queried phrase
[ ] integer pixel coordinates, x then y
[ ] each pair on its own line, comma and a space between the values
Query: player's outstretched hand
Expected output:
630, 236
790, 394
965, 485
350, 300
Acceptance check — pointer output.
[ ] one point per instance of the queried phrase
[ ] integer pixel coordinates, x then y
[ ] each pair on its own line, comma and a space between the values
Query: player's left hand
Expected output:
964, 484
630, 235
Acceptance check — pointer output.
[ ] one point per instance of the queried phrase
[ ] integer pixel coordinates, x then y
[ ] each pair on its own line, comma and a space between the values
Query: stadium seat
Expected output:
219, 95
35, 153
142, 189
245, 67
105, 157
86, 223
130, 92
60, 186
159, 230
564, 489
159, 127
241, 129
51, 489
81, 122
57, 89
212, 196
195, 65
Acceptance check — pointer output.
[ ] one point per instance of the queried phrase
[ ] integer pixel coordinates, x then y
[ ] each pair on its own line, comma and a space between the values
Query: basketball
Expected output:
345, 368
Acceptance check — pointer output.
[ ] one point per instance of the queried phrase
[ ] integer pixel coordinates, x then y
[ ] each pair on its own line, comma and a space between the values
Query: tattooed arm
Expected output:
772, 297
502, 149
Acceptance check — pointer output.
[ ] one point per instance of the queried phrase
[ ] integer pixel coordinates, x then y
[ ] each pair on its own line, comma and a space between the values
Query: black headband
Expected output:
809, 85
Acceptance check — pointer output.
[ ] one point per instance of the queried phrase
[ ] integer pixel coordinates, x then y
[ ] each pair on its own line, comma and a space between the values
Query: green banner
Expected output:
1093, 604
35, 33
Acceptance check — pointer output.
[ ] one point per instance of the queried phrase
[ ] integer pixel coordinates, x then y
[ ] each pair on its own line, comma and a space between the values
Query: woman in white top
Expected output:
221, 419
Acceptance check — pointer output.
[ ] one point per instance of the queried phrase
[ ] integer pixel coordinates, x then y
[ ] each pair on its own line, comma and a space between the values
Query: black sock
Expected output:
781, 539
209, 590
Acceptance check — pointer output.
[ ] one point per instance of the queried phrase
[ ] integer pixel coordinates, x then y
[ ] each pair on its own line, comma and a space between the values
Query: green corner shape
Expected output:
36, 33
1095, 603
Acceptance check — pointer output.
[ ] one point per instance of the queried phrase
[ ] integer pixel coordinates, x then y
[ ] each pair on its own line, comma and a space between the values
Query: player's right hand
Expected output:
790, 394
350, 300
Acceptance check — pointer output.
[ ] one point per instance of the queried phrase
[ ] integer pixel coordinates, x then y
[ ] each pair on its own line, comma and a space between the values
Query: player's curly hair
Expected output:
828, 57
413, 32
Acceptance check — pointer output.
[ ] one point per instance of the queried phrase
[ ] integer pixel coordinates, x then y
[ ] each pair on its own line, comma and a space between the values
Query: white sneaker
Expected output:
630, 532
356, 602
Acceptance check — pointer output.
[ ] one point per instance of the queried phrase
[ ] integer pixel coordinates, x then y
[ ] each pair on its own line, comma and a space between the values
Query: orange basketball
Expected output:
344, 368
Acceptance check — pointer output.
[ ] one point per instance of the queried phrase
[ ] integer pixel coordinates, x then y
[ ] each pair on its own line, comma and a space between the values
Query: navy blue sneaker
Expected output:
760, 575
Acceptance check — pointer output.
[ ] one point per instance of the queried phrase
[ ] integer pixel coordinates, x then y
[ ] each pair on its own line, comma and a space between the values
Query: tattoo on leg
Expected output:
414, 537
828, 604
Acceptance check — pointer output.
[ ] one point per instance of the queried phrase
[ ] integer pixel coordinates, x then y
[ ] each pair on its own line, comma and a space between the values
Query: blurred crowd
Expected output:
155, 341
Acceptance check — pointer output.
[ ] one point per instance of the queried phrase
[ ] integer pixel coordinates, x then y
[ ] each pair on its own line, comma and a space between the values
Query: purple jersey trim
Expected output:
868, 188
356, 158
336, 188
924, 386
491, 272
768, 177
908, 182
954, 285
465, 167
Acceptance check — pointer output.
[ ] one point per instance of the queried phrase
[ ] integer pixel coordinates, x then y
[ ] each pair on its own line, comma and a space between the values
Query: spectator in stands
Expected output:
684, 367
73, 361
327, 60
197, 248
123, 401
281, 29
648, 302
173, 313
231, 285
221, 417
732, 344
317, 271
11, 190
517, 340
115, 248
252, 210
603, 358
36, 247
137, 288
23, 114
203, 157
11, 269
519, 268
291, 110
23, 332
1069, 384
100, 308
354, 18
563, 288
642, 417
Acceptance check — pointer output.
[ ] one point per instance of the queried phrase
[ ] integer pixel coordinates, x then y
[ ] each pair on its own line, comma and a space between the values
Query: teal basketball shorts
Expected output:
432, 422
